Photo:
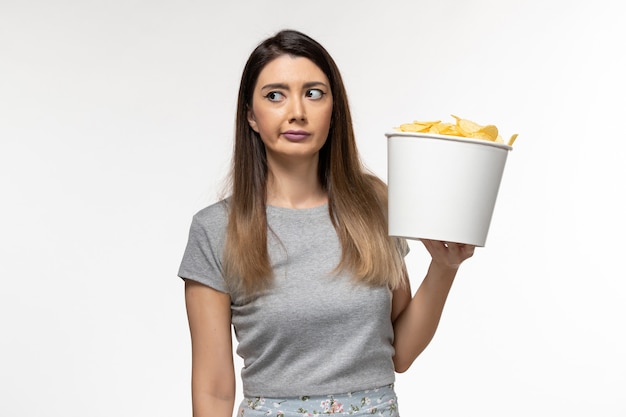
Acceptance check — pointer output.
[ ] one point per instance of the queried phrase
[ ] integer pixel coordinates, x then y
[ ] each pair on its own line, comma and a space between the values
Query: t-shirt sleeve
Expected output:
202, 257
403, 246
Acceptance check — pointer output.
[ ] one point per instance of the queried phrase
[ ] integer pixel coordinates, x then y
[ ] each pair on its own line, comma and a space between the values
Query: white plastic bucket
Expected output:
443, 187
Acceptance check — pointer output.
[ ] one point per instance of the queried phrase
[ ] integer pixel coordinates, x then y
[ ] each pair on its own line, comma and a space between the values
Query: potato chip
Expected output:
489, 132
444, 129
414, 127
462, 127
467, 127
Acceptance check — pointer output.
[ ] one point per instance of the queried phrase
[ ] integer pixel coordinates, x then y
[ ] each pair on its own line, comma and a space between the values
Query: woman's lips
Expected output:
296, 134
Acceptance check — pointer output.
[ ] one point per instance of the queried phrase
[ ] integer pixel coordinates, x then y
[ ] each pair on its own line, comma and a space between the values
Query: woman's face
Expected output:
291, 109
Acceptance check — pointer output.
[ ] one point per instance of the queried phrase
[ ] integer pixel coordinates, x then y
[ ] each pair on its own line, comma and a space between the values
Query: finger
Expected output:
439, 245
434, 247
464, 251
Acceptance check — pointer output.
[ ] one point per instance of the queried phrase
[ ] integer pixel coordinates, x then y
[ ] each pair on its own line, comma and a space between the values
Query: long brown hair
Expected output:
357, 199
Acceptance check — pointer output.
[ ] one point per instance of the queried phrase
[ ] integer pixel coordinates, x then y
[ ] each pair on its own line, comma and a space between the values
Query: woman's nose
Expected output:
296, 110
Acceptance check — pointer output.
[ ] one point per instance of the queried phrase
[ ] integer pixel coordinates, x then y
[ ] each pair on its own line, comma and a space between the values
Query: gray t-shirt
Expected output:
314, 332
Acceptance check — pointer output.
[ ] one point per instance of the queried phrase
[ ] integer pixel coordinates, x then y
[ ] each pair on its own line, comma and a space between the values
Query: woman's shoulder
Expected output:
216, 214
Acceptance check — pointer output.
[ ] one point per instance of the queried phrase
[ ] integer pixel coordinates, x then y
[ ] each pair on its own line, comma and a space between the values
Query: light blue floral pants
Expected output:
378, 402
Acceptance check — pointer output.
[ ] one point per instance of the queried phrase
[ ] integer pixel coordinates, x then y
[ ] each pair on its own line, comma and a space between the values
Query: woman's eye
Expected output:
274, 96
315, 94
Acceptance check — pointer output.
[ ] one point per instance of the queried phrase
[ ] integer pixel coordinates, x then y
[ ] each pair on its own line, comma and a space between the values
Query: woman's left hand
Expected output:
448, 254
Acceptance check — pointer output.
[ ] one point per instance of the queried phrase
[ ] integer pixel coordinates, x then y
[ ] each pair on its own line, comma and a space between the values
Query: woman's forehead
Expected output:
291, 69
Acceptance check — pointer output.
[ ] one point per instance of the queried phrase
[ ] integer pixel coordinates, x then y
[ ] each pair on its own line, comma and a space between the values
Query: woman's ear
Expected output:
252, 120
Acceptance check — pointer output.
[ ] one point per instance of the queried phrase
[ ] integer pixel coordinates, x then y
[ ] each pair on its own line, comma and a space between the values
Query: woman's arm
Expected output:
415, 320
212, 369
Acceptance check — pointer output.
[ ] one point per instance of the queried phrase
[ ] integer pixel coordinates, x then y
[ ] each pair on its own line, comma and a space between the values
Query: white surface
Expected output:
116, 120
443, 187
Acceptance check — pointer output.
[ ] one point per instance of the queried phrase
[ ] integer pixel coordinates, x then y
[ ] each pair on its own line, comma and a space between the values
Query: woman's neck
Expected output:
294, 186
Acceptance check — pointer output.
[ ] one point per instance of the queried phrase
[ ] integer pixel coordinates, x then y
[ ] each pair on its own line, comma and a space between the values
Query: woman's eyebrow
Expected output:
275, 85
314, 84
283, 86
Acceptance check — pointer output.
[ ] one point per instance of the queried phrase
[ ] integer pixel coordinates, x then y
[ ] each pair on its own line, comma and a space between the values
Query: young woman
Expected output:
297, 259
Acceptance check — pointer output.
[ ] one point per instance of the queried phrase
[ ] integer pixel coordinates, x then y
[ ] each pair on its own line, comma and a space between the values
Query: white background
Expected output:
116, 122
